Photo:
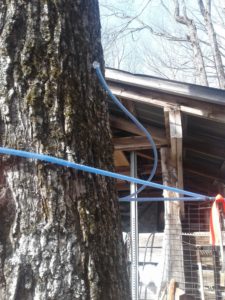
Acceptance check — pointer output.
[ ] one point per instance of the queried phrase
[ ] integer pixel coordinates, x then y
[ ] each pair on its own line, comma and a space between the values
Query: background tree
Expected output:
60, 235
187, 36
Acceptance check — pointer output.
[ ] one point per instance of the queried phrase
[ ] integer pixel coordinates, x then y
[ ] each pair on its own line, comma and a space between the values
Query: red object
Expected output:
215, 226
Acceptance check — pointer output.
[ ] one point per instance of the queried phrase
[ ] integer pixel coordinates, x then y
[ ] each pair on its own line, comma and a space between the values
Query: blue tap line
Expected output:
133, 197
65, 163
157, 199
96, 66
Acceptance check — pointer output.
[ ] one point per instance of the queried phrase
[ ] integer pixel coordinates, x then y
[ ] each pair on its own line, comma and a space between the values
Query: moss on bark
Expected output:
61, 228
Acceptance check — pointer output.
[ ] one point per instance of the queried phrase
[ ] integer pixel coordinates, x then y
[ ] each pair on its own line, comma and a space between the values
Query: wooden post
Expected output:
172, 174
172, 290
172, 244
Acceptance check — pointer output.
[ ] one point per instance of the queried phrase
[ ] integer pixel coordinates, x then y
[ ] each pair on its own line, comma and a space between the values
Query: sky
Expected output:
127, 50
143, 52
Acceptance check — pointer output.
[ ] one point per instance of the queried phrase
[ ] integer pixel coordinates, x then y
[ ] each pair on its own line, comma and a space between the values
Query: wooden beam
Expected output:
130, 106
188, 106
203, 186
206, 148
197, 170
132, 143
172, 174
204, 171
170, 87
144, 155
200, 146
142, 169
120, 159
125, 125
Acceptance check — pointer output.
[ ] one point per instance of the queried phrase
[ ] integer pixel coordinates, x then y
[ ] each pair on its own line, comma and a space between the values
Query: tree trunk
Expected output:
206, 13
194, 40
60, 234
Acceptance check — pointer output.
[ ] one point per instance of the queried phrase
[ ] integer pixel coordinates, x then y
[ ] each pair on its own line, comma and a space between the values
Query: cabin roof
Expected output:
201, 133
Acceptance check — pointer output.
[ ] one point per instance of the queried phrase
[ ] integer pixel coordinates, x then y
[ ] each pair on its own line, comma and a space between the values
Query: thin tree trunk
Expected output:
60, 235
194, 40
206, 13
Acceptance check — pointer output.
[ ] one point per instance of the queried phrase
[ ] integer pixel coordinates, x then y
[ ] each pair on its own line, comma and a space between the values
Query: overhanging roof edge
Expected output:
192, 91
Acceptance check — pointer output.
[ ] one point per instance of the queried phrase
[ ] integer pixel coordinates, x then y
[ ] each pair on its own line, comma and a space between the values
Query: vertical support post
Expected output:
134, 230
172, 173
200, 274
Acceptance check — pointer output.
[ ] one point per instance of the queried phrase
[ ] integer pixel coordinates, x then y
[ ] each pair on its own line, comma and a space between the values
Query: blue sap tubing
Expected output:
128, 198
157, 199
96, 66
65, 163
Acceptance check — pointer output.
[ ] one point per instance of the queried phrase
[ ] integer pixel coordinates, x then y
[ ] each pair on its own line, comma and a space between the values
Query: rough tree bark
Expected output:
60, 236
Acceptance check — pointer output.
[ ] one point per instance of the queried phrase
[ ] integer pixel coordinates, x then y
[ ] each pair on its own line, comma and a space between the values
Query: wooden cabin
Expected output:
187, 123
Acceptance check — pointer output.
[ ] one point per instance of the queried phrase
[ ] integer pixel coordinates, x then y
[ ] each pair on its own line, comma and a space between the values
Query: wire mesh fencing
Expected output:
182, 260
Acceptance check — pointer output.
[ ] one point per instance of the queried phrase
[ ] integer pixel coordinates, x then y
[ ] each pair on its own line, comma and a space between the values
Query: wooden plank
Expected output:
172, 289
179, 160
144, 155
120, 159
132, 143
206, 148
129, 106
200, 146
200, 185
174, 88
125, 125
179, 148
176, 135
192, 107
175, 123
204, 171
173, 229
174, 130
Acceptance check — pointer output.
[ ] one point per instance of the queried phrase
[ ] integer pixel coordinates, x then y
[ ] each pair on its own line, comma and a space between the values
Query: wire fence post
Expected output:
134, 230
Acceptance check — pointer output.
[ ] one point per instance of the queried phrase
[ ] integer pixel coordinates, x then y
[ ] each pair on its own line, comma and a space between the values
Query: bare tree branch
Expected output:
193, 37
206, 13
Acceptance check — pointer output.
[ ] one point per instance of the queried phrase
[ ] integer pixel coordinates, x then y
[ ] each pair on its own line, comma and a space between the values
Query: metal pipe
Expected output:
134, 229
200, 275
